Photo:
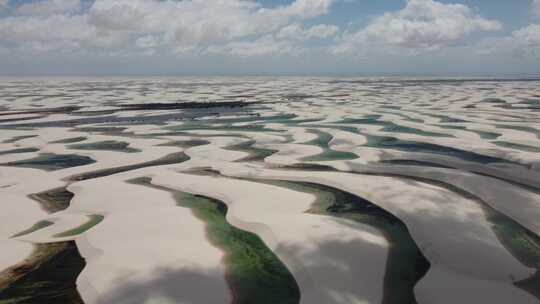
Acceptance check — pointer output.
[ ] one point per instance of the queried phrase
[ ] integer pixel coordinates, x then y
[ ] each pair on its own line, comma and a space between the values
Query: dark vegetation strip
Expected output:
184, 105
227, 128
67, 109
69, 140
136, 107
252, 118
187, 133
408, 162
254, 273
49, 274
406, 264
17, 138
170, 159
292, 122
309, 167
21, 150
52, 162
109, 130
185, 144
159, 119
106, 145
21, 119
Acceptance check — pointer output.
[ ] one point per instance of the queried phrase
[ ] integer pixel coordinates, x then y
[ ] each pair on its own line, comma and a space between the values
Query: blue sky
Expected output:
289, 37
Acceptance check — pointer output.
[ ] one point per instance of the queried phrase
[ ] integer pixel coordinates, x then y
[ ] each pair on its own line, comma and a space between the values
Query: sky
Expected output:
495, 38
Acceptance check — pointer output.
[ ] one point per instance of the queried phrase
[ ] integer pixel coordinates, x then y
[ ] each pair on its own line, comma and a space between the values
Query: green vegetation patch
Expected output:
254, 273
17, 138
225, 128
48, 276
107, 145
69, 140
20, 150
174, 158
53, 200
186, 143
94, 219
35, 227
52, 162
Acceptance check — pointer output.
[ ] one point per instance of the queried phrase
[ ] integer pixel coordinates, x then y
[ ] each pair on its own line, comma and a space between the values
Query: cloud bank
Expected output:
421, 25
39, 30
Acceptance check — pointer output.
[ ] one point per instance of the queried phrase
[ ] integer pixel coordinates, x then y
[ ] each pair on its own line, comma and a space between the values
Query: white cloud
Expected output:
147, 42
179, 26
287, 41
305, 8
48, 7
536, 7
528, 36
421, 25
522, 42
262, 46
195, 22
4, 4
297, 32
56, 32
